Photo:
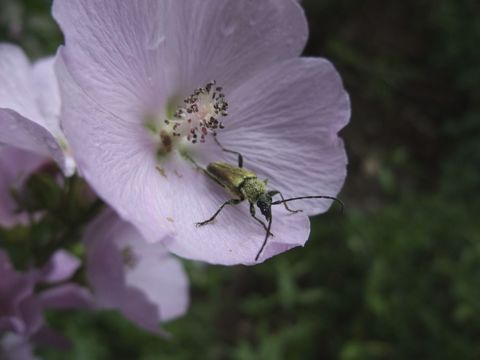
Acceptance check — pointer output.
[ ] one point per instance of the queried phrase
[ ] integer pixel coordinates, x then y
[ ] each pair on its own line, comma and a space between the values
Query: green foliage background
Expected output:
397, 276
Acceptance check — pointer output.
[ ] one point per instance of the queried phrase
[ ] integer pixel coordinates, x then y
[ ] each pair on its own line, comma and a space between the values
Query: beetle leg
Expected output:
252, 212
228, 202
240, 157
266, 239
276, 192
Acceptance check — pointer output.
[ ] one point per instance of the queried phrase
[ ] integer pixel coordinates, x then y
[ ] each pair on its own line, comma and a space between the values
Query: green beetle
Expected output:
243, 185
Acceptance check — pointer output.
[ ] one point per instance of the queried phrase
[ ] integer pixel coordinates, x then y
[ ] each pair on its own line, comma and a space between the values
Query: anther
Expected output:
205, 108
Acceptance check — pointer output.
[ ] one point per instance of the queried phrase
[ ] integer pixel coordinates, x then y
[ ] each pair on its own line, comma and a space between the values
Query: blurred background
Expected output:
397, 276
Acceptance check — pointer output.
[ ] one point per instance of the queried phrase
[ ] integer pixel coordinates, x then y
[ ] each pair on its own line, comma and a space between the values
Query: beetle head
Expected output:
264, 203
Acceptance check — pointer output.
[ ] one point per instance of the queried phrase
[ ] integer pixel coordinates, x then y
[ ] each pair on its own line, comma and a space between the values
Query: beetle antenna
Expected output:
266, 238
311, 197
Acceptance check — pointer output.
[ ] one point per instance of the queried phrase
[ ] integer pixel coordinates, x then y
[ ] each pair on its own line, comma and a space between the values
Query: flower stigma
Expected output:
199, 115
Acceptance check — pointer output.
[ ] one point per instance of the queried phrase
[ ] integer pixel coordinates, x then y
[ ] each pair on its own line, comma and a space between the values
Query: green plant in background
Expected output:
29, 24
397, 276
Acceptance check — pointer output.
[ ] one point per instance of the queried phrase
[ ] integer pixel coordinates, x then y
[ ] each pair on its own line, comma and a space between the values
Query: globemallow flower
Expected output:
147, 85
139, 279
30, 107
21, 306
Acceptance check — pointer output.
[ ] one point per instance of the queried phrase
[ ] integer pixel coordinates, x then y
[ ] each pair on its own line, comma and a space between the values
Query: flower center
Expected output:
200, 115
129, 258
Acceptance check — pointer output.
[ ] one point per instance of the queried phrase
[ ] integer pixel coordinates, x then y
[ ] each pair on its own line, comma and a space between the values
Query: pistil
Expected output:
200, 115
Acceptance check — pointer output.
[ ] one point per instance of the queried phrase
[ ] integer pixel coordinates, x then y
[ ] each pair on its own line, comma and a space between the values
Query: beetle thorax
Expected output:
252, 188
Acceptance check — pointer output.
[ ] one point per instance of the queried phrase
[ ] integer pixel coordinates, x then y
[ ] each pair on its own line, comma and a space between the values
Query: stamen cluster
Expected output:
201, 114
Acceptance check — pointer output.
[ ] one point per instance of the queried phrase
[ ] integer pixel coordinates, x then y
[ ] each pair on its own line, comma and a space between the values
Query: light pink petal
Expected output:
285, 123
23, 124
45, 83
139, 310
61, 266
16, 83
156, 273
163, 281
135, 277
110, 40
48, 94
68, 296
15, 167
229, 40
104, 264
23, 133
129, 55
115, 157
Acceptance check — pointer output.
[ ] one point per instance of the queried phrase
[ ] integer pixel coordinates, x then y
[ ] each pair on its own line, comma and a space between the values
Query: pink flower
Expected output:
30, 125
139, 279
127, 66
30, 106
21, 306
